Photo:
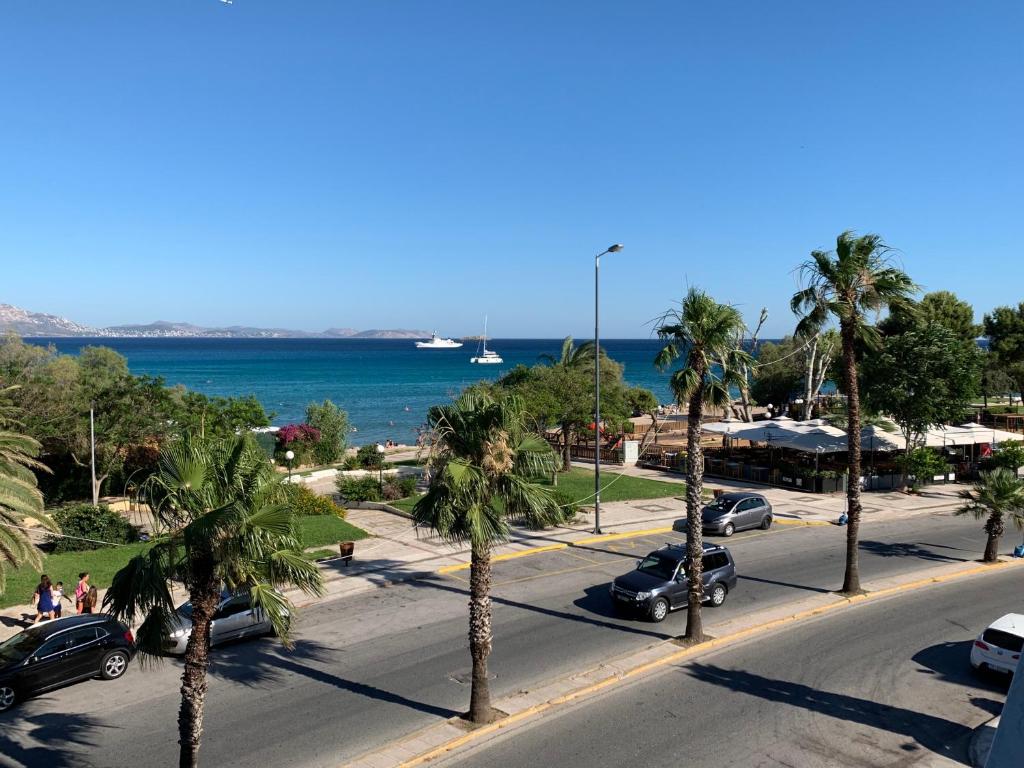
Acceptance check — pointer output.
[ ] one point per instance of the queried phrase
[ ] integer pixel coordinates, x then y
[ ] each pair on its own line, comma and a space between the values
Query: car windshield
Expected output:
656, 565
20, 646
185, 610
721, 504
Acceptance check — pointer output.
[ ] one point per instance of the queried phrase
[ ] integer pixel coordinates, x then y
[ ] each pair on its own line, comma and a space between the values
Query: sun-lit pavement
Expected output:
381, 664
881, 685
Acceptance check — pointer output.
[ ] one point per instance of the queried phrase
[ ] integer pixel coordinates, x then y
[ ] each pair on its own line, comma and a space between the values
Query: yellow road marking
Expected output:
684, 653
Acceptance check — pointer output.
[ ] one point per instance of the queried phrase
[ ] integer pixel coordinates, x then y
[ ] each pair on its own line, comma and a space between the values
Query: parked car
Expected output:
61, 652
659, 584
733, 512
999, 647
234, 618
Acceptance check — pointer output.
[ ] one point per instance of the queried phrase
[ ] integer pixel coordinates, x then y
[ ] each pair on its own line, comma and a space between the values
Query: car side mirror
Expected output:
638, 562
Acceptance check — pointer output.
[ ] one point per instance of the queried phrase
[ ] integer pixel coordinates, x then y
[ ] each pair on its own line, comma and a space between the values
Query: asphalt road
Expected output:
383, 664
881, 684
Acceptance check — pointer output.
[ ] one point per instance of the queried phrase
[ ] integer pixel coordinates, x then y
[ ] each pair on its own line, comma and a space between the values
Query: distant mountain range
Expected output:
26, 323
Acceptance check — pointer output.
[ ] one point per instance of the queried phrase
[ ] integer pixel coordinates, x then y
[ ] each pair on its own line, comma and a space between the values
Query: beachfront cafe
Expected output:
810, 456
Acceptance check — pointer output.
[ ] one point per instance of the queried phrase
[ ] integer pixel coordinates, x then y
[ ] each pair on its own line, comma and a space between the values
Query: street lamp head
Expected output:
615, 248
289, 455
380, 448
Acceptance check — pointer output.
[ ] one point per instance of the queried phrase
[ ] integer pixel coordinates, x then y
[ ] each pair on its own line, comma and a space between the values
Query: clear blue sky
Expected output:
418, 164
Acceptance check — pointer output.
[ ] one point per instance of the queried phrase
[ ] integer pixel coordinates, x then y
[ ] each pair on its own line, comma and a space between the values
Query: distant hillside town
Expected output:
29, 324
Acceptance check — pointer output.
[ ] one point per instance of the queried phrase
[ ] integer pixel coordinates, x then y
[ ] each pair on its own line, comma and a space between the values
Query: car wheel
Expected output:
729, 529
659, 609
8, 696
114, 665
717, 596
766, 523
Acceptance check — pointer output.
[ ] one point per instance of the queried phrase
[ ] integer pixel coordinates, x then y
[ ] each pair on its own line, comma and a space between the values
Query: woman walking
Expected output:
90, 600
42, 598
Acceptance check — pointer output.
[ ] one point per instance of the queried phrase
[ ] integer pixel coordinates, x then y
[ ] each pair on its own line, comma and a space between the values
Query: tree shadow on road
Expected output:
760, 580
48, 740
936, 734
906, 549
257, 664
595, 600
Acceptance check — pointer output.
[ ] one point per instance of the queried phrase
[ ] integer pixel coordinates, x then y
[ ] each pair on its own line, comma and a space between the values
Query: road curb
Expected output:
420, 747
981, 742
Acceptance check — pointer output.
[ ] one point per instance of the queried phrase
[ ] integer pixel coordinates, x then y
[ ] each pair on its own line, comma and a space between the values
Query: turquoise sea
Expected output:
386, 385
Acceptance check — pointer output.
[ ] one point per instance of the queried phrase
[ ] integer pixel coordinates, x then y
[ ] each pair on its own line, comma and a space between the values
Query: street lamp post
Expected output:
289, 456
597, 384
380, 468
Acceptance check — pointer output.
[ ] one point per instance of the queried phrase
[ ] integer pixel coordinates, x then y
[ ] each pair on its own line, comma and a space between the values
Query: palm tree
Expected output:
855, 279
484, 466
19, 494
571, 357
705, 334
999, 493
227, 524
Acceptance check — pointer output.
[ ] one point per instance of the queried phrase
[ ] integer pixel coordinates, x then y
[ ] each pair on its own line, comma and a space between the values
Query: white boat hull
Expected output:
486, 360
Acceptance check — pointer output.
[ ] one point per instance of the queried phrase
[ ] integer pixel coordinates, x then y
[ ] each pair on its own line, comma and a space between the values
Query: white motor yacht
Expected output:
438, 343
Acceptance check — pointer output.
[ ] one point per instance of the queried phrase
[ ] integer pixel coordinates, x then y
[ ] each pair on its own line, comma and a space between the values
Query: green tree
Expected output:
1004, 328
332, 422
997, 495
941, 308
704, 333
922, 378
484, 469
228, 524
778, 371
560, 393
847, 284
19, 495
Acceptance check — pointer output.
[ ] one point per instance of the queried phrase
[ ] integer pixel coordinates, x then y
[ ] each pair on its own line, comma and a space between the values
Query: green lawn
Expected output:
320, 530
579, 483
102, 564
405, 504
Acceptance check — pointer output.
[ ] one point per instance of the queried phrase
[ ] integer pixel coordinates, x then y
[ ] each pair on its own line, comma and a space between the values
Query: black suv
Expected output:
63, 651
659, 583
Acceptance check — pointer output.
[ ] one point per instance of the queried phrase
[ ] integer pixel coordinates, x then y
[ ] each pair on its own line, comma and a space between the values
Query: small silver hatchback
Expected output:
235, 617
733, 512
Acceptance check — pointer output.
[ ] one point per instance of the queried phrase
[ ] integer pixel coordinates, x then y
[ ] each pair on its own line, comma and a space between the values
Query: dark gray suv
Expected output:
659, 585
733, 512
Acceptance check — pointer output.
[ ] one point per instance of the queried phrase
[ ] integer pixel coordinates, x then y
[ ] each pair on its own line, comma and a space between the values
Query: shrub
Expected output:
332, 422
306, 503
392, 491
351, 462
920, 465
84, 521
369, 457
407, 485
364, 488
568, 504
300, 439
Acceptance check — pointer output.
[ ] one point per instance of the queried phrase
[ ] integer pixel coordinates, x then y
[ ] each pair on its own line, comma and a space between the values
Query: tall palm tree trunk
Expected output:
694, 532
994, 529
204, 596
480, 634
851, 581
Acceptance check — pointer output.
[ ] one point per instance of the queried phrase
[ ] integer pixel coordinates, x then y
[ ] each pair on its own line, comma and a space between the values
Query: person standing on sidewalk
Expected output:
42, 598
81, 590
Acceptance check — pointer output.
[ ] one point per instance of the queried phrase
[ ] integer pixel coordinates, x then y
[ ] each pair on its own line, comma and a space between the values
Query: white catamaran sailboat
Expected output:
485, 356
438, 343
